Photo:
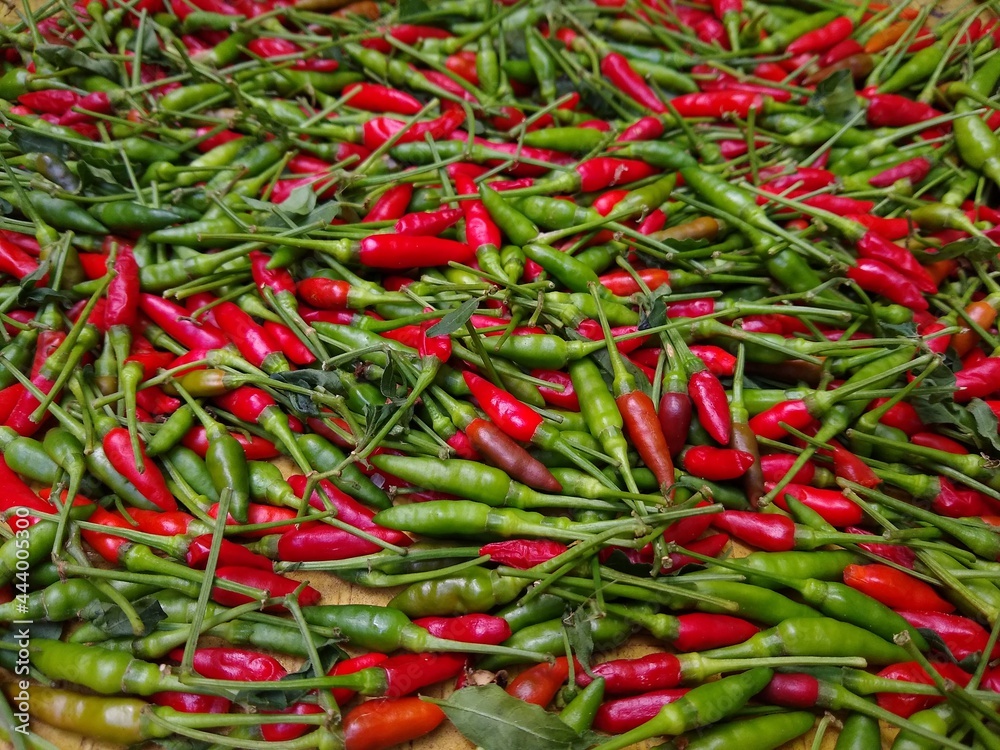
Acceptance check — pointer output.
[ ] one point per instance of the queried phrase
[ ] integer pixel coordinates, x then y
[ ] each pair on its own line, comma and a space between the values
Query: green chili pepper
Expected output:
859, 733
548, 638
324, 456
703, 705
814, 636
472, 590
753, 733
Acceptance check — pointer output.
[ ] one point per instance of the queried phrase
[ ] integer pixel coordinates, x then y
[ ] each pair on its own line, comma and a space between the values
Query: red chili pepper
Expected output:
841, 51
710, 546
896, 111
774, 466
323, 293
896, 553
274, 584
95, 265
17, 494
875, 276
255, 447
391, 204
962, 636
516, 419
617, 69
848, 466
523, 553
593, 331
693, 308
227, 663
624, 714
378, 130
718, 361
123, 291
318, 542
399, 251
822, 38
104, 544
250, 338
96, 102
603, 172
161, 523
173, 319
291, 346
979, 381
717, 103
428, 223
480, 229
150, 482
460, 443
624, 284
539, 684
348, 509
16, 262
895, 588
474, 628
905, 705
890, 229
192, 703
463, 64
707, 28
835, 509
408, 673
712, 404
902, 415
914, 170
349, 666
230, 553
643, 129
716, 464
563, 399
49, 101
961, 502
803, 178
836, 204
769, 532
699, 631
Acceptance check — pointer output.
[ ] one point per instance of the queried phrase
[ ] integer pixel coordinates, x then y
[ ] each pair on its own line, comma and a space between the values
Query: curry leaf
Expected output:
409, 9
62, 56
455, 319
493, 720
986, 422
112, 620
835, 98
327, 380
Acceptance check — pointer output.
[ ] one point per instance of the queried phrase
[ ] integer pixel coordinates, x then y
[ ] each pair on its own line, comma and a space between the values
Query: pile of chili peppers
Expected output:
526, 313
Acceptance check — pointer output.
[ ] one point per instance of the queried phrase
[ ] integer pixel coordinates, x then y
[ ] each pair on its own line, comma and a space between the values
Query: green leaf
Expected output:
975, 249
323, 214
278, 700
30, 141
581, 635
392, 384
655, 309
327, 380
455, 319
604, 362
986, 422
409, 9
112, 620
493, 720
300, 202
61, 57
835, 98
